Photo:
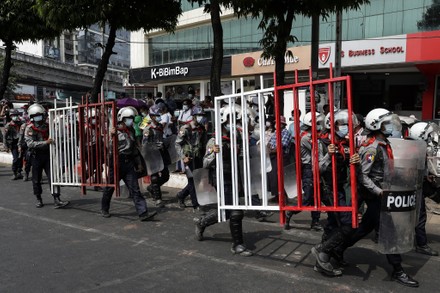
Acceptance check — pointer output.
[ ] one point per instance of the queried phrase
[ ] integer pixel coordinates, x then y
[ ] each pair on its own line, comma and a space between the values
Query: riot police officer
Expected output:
127, 150
191, 142
306, 165
11, 141
153, 133
37, 140
376, 154
429, 132
209, 161
339, 226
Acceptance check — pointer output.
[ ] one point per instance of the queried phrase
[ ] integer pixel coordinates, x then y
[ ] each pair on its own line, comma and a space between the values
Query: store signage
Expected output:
248, 62
271, 61
366, 52
324, 54
168, 71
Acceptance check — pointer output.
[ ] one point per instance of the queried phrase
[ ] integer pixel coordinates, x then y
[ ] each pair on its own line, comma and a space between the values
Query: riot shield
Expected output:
256, 169
152, 157
170, 145
290, 180
206, 193
401, 197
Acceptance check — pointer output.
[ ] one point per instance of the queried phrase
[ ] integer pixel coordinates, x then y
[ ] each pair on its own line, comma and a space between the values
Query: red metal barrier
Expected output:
96, 145
330, 82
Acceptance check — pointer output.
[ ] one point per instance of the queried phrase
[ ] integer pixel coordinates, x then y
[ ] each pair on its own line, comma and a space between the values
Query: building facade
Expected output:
388, 46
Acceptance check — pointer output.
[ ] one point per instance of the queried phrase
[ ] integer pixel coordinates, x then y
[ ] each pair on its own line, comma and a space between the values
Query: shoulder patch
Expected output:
370, 155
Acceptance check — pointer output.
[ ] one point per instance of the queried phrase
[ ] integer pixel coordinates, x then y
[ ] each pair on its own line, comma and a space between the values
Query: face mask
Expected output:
128, 122
93, 121
38, 118
185, 107
199, 119
343, 131
268, 124
318, 127
388, 129
228, 127
144, 114
14, 118
158, 119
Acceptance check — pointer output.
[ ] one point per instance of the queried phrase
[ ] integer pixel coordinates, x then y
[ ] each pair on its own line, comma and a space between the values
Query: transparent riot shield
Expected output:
256, 169
152, 157
401, 197
206, 193
290, 180
170, 145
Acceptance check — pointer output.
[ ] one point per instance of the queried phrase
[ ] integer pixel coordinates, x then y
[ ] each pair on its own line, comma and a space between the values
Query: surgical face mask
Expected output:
38, 118
268, 124
228, 127
185, 107
158, 119
128, 122
199, 119
388, 129
318, 127
15, 118
93, 121
343, 131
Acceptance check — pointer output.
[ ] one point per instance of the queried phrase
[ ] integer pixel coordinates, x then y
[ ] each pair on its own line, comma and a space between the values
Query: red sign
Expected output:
248, 62
324, 54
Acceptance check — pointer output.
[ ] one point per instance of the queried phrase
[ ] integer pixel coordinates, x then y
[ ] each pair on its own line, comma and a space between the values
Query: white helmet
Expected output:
225, 111
127, 112
36, 109
425, 131
374, 118
92, 113
341, 117
307, 119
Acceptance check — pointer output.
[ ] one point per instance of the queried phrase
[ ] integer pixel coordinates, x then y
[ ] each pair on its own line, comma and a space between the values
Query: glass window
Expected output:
374, 26
354, 28
411, 4
374, 8
410, 19
393, 23
393, 6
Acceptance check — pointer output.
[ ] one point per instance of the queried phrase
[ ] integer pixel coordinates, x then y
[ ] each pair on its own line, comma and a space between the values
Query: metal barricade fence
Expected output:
318, 199
80, 153
240, 150
240, 153
64, 149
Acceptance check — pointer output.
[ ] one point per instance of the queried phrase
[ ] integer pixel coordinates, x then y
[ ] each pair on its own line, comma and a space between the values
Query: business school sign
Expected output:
254, 63
200, 69
365, 52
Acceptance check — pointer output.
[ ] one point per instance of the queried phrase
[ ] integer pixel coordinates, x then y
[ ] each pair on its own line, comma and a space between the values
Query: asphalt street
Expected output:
77, 250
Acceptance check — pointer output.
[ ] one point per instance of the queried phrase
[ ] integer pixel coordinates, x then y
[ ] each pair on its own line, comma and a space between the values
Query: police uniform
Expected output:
375, 154
127, 150
153, 133
235, 216
11, 141
191, 141
36, 136
25, 152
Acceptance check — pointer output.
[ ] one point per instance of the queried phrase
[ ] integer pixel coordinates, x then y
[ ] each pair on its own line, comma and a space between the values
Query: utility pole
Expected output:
102, 54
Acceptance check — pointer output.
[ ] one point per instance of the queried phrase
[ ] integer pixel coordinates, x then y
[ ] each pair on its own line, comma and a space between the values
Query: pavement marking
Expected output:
288, 275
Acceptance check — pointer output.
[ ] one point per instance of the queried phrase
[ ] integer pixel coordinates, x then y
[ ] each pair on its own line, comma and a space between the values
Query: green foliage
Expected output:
431, 17
20, 22
131, 15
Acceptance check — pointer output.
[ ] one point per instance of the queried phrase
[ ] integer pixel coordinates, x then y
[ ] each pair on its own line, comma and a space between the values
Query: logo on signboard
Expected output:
248, 62
324, 54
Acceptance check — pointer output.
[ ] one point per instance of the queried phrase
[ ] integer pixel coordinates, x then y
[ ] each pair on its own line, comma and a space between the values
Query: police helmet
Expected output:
36, 109
227, 110
307, 119
127, 112
426, 131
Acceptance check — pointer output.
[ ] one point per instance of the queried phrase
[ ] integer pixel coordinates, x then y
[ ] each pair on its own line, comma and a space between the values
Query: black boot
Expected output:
19, 175
39, 203
236, 227
401, 277
58, 203
157, 195
323, 264
15, 176
289, 215
201, 223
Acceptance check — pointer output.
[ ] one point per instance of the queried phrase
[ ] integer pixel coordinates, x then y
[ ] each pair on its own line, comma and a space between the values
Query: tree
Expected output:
19, 22
431, 17
277, 17
213, 7
131, 15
